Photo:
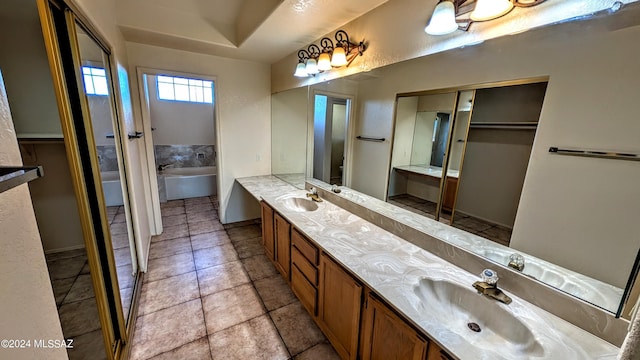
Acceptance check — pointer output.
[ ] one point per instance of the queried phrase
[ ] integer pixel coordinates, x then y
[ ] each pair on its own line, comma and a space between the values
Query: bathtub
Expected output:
112, 188
183, 183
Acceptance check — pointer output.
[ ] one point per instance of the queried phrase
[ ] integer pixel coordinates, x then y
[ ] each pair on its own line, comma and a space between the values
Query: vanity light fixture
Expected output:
451, 15
332, 55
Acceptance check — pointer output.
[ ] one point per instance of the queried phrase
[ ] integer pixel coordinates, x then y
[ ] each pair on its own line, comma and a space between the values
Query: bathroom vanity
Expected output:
376, 295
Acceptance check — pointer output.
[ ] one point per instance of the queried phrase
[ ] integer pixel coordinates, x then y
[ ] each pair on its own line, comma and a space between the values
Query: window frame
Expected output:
184, 89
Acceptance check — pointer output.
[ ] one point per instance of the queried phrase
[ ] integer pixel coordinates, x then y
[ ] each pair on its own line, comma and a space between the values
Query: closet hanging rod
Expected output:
369, 138
503, 127
596, 153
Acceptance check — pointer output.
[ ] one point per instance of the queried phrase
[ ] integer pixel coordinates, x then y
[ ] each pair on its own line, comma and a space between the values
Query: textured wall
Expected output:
27, 306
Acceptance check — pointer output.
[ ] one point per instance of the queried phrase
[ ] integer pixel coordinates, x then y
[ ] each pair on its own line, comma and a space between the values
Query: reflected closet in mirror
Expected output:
422, 128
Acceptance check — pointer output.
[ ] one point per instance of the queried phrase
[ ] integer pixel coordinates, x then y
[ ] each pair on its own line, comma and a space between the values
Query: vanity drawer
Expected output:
307, 294
306, 248
306, 268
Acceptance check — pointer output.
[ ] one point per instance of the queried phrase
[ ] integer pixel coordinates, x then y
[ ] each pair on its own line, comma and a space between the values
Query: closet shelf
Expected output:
505, 125
11, 176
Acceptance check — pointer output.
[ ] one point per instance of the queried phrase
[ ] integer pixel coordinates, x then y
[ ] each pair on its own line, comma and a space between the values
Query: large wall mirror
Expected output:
468, 147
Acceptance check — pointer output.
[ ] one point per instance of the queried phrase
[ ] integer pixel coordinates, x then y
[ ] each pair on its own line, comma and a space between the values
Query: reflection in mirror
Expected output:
584, 212
96, 80
458, 141
422, 128
502, 127
289, 135
330, 118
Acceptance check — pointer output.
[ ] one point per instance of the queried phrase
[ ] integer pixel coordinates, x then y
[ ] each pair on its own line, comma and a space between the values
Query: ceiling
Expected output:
258, 30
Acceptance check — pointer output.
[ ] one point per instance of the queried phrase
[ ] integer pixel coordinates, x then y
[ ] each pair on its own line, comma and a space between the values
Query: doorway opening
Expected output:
179, 111
330, 128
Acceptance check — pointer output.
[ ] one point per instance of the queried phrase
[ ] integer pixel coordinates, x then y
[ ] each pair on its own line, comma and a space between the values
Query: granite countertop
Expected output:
393, 267
432, 171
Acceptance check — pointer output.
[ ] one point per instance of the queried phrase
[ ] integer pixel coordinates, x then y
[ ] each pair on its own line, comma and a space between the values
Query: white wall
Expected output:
54, 200
405, 123
244, 116
179, 122
289, 131
27, 305
26, 69
422, 138
589, 103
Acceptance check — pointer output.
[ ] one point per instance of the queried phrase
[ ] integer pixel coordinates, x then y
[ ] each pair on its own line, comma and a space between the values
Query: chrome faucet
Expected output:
313, 194
516, 261
489, 286
161, 167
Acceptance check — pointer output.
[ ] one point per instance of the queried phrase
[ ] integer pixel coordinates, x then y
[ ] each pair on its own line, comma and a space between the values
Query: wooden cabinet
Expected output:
268, 238
282, 246
386, 336
304, 271
339, 307
436, 353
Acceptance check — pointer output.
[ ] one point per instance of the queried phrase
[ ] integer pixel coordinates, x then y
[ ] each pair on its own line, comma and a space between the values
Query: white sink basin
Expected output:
300, 204
481, 321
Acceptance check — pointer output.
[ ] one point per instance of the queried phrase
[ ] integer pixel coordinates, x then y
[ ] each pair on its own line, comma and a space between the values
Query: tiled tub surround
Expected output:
392, 267
182, 156
107, 157
461, 249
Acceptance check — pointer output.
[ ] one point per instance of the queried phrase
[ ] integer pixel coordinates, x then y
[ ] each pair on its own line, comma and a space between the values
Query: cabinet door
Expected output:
283, 246
339, 307
267, 231
386, 336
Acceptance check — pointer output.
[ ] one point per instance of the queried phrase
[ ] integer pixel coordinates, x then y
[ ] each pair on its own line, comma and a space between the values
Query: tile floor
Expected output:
211, 293
488, 230
73, 290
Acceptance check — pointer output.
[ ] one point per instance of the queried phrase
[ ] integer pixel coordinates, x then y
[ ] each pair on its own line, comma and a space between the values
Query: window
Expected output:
183, 89
95, 81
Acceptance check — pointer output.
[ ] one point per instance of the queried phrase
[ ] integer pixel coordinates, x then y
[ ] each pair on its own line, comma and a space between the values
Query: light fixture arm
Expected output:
314, 51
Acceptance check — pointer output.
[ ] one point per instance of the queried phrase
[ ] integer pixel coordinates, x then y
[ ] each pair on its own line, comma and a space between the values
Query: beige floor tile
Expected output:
197, 350
296, 327
66, 254
174, 220
119, 228
167, 329
221, 277
231, 307
119, 218
66, 268
61, 287
198, 208
204, 227
254, 339
165, 267
249, 247
274, 292
125, 276
210, 239
168, 292
81, 289
122, 256
171, 203
198, 200
88, 346
172, 232
119, 241
216, 255
172, 210
259, 267
169, 247
245, 232
79, 317
323, 351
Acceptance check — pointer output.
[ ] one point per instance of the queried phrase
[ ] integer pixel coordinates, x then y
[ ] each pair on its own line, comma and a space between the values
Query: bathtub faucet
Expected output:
164, 166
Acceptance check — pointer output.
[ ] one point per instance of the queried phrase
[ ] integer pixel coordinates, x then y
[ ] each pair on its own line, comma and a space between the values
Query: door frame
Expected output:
154, 207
